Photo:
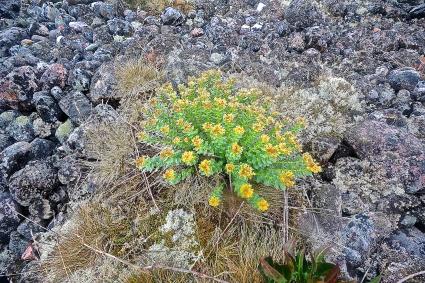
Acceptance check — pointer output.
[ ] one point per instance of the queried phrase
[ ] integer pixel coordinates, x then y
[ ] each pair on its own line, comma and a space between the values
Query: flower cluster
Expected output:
209, 127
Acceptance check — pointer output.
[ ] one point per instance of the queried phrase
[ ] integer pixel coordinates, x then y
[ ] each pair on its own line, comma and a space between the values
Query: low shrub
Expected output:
229, 135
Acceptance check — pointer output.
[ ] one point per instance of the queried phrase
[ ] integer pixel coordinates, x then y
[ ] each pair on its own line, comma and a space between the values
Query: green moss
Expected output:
64, 130
22, 120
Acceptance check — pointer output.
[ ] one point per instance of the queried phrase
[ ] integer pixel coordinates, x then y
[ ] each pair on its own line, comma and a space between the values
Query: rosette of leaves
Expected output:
209, 127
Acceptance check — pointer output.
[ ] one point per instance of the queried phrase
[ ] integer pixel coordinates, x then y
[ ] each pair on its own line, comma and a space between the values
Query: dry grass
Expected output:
157, 6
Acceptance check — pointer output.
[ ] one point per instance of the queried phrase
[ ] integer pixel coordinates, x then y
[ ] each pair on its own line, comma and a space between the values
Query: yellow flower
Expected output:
262, 205
217, 130
180, 122
246, 190
188, 157
265, 138
236, 149
166, 153
283, 149
271, 150
141, 136
214, 201
187, 127
197, 142
228, 118
207, 104
246, 171
229, 168
287, 178
220, 101
165, 129
205, 167
239, 130
207, 127
258, 127
292, 140
169, 175
186, 139
310, 164
176, 140
140, 162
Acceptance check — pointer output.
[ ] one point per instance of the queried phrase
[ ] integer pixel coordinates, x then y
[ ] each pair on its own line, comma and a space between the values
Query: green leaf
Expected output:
377, 279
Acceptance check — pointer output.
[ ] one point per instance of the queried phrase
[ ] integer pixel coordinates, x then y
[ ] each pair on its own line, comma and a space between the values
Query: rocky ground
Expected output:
57, 64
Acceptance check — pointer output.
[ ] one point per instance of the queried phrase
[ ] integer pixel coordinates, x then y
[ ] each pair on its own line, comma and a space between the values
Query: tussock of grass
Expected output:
157, 6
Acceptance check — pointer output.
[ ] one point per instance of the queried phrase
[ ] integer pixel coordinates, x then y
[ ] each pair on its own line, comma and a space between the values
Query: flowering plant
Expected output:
210, 128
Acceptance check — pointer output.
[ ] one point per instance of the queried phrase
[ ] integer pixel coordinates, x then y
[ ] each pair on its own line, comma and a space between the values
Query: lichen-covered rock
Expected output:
17, 244
172, 16
103, 85
33, 182
9, 217
303, 13
64, 130
5, 141
21, 129
7, 117
42, 148
13, 157
41, 208
55, 75
47, 107
404, 78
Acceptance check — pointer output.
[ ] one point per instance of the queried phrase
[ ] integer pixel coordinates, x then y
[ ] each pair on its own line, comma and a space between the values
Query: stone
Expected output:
41, 209
7, 117
103, 85
197, 32
69, 171
10, 37
42, 148
9, 9
76, 106
30, 227
171, 16
33, 182
5, 141
17, 244
13, 157
419, 92
120, 27
9, 217
79, 79
47, 107
57, 93
303, 13
55, 75
418, 11
404, 78
43, 129
21, 129
104, 10
412, 240
64, 130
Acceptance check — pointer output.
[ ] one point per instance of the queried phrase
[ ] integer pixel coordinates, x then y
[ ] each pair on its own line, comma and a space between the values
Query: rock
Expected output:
303, 13
102, 35
64, 130
33, 182
41, 209
105, 113
10, 37
404, 78
7, 117
104, 10
408, 221
120, 27
47, 107
42, 148
14, 157
50, 12
69, 171
5, 141
218, 58
80, 80
29, 228
171, 16
43, 129
57, 93
103, 85
412, 240
21, 129
17, 244
9, 217
418, 11
283, 29
78, 26
9, 9
197, 32
55, 75
399, 152
76, 106
419, 92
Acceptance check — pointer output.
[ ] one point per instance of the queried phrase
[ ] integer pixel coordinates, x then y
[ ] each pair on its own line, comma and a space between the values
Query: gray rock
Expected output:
171, 16
42, 148
55, 75
50, 12
9, 217
408, 220
120, 27
79, 79
43, 129
404, 78
41, 208
7, 117
33, 182
47, 107
76, 106
57, 93
102, 35
9, 9
5, 141
303, 13
69, 171
14, 156
419, 92
29, 228
10, 37
412, 240
21, 129
103, 85
104, 10
418, 11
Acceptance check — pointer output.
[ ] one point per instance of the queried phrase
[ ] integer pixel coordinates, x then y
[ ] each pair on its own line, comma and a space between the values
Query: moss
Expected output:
22, 121
64, 130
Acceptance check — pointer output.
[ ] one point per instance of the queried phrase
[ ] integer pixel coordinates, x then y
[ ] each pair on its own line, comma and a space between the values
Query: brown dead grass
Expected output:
157, 6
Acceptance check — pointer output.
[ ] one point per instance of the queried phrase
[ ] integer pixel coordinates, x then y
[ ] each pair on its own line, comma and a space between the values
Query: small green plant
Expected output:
299, 270
210, 128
